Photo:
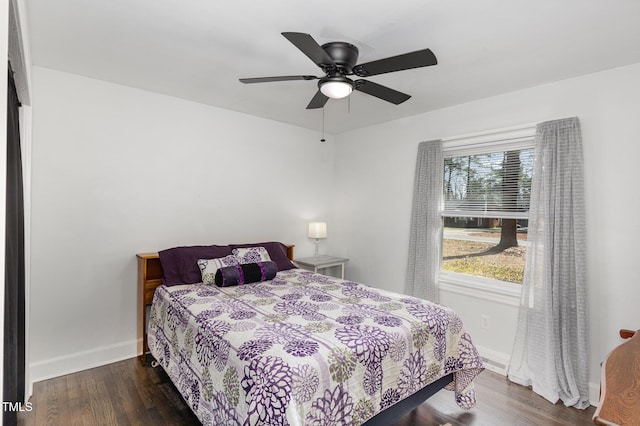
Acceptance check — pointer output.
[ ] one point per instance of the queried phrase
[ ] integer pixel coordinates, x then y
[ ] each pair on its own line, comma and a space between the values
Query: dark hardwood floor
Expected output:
125, 393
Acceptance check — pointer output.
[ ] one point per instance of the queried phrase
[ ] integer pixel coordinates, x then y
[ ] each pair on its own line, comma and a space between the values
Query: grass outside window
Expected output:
472, 252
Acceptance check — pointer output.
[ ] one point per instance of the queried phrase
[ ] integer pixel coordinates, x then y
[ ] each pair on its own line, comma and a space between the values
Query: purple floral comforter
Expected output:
305, 349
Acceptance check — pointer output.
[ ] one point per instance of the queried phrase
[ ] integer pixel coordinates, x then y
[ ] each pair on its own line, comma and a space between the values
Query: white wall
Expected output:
119, 171
374, 170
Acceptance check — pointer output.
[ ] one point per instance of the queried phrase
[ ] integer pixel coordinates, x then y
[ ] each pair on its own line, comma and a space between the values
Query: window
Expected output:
486, 192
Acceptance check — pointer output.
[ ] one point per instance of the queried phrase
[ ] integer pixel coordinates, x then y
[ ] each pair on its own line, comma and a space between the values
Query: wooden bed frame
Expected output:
150, 277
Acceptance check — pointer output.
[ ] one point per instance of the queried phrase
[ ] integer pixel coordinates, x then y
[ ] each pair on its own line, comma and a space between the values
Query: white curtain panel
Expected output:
425, 239
551, 351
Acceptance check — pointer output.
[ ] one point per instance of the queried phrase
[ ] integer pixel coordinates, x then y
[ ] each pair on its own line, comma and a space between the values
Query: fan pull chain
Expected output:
323, 139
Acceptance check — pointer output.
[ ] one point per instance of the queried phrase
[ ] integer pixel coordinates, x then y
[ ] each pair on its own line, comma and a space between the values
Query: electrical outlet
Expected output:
484, 322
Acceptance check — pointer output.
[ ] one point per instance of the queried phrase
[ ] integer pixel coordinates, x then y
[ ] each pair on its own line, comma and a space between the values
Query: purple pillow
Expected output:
180, 264
228, 276
277, 252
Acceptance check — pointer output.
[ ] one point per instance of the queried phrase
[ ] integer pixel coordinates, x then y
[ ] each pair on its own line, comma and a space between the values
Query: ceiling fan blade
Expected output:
318, 100
417, 59
280, 78
309, 47
381, 92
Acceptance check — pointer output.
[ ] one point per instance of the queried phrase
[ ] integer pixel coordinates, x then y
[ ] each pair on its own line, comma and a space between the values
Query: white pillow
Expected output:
209, 267
251, 255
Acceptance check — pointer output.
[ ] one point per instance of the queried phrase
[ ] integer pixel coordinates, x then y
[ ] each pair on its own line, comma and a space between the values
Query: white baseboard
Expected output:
67, 364
594, 393
498, 362
494, 360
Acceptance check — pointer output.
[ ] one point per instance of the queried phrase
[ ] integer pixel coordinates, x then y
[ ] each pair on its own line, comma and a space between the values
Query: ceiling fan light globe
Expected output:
336, 89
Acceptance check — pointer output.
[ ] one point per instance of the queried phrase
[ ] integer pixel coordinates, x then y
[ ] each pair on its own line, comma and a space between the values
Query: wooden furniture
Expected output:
149, 278
316, 263
620, 384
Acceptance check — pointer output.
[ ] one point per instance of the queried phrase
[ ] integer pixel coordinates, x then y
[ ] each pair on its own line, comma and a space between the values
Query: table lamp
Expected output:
317, 230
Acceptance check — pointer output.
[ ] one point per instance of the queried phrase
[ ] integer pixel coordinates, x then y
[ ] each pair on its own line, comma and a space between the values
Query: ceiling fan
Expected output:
338, 60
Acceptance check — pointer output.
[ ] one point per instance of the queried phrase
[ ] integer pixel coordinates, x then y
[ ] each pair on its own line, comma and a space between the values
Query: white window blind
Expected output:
488, 175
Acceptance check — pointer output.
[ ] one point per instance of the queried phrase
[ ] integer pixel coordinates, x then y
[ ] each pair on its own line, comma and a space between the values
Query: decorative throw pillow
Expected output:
209, 267
246, 273
251, 255
277, 252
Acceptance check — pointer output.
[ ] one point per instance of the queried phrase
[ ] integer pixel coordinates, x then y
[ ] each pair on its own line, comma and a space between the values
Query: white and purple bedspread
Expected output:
305, 349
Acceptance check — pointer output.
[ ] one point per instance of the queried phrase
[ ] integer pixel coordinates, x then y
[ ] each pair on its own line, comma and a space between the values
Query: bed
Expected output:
302, 348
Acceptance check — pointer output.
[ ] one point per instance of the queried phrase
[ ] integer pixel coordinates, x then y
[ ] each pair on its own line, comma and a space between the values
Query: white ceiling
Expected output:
197, 49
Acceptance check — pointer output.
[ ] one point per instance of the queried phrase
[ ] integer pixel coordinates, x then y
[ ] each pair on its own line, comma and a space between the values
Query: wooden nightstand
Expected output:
149, 277
316, 263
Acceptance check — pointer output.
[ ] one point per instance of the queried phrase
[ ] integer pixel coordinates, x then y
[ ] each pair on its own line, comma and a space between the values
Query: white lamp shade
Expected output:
336, 89
317, 230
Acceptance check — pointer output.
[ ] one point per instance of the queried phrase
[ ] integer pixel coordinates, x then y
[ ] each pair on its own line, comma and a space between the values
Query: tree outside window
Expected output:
485, 217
